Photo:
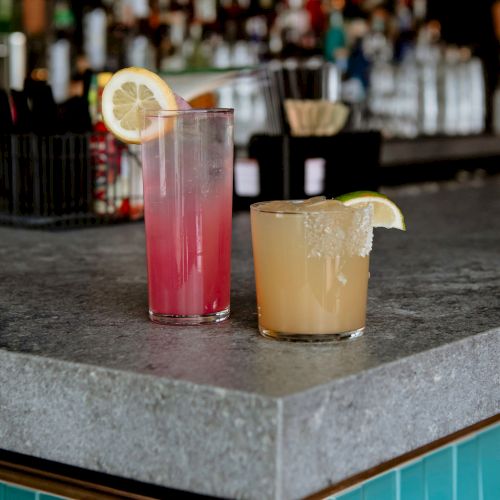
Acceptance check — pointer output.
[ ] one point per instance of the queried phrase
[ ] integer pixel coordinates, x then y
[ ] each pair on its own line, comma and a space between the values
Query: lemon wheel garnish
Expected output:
128, 92
385, 212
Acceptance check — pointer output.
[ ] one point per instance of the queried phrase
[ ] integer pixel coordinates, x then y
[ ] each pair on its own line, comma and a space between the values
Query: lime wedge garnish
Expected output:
385, 212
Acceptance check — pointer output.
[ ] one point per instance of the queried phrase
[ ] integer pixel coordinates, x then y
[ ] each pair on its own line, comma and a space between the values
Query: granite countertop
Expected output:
87, 380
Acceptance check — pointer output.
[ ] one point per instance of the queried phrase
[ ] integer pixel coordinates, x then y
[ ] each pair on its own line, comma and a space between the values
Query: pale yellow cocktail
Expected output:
311, 263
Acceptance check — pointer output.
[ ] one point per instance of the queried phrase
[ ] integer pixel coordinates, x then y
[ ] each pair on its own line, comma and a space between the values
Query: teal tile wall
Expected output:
11, 492
352, 495
438, 480
412, 486
381, 488
468, 469
15, 493
489, 463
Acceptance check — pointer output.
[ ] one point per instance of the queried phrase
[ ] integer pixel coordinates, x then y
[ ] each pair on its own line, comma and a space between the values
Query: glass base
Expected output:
311, 337
193, 319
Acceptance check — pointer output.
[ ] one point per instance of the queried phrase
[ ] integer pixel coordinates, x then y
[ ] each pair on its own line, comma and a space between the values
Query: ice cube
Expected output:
314, 199
283, 206
324, 205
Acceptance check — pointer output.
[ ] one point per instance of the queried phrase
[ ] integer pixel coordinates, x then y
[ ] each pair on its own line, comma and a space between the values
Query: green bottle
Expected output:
335, 36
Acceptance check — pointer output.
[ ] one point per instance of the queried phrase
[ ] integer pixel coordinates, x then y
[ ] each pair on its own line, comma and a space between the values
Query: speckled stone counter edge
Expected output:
336, 431
242, 445
160, 431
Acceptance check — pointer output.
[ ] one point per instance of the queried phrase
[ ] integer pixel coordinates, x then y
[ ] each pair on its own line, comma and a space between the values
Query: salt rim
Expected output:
340, 231
363, 231
345, 233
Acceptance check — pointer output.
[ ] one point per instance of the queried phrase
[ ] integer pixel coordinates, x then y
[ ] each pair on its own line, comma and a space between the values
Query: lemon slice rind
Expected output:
129, 93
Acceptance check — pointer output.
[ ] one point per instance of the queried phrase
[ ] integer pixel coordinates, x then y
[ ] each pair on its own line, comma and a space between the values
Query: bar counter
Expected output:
86, 380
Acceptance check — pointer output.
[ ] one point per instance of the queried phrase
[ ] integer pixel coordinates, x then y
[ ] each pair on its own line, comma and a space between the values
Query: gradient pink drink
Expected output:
187, 159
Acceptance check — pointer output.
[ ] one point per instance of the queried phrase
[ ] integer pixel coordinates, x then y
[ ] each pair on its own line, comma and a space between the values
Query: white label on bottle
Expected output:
314, 172
246, 177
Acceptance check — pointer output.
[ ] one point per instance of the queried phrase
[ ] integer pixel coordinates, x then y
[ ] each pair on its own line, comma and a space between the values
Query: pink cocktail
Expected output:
187, 159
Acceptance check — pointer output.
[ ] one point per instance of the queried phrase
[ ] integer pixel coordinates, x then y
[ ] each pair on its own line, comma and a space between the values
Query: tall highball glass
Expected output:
187, 158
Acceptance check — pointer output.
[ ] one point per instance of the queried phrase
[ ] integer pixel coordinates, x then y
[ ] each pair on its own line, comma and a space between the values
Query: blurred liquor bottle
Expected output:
60, 51
10, 16
95, 37
35, 27
132, 33
104, 175
63, 19
335, 39
117, 174
10, 21
140, 48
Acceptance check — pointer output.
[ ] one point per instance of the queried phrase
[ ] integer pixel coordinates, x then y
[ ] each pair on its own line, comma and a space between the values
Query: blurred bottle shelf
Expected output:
387, 61
399, 152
